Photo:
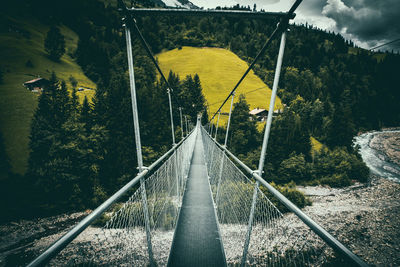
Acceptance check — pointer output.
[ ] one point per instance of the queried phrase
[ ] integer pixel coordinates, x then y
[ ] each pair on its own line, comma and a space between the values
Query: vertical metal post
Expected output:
229, 121
264, 145
187, 132
178, 180
172, 117
180, 114
138, 143
272, 104
174, 144
226, 141
216, 129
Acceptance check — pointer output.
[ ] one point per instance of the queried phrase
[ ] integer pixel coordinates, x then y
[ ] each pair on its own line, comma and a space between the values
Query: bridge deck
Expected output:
197, 240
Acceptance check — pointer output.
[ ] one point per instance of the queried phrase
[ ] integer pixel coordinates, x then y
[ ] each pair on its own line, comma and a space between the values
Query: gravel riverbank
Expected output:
364, 218
388, 143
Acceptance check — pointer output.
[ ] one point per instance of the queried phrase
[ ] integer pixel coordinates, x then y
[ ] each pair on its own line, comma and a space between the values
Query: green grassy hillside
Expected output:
21, 39
219, 70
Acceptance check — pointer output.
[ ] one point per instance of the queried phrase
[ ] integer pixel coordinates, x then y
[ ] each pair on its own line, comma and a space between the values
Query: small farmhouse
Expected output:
261, 114
36, 85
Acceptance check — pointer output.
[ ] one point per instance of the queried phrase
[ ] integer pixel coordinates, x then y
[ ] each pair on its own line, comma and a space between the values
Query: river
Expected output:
374, 148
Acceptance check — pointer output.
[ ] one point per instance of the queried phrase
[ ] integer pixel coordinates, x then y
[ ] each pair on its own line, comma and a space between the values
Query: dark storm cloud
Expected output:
311, 7
368, 21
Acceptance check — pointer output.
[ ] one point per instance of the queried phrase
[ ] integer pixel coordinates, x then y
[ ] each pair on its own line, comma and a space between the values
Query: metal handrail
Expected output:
61, 243
316, 228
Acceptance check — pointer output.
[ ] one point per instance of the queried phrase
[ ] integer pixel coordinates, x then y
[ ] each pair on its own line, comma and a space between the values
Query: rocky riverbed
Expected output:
380, 150
388, 143
364, 218
17, 239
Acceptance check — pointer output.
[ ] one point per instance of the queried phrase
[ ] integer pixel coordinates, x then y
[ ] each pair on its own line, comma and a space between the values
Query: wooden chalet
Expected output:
36, 85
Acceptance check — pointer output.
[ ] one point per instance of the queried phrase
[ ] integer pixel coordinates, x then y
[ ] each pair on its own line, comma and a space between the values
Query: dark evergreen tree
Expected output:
243, 134
204, 117
119, 162
5, 167
47, 162
73, 82
85, 115
342, 128
54, 44
192, 97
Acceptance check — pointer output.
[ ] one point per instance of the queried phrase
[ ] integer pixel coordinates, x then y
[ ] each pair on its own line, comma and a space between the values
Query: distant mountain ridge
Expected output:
179, 3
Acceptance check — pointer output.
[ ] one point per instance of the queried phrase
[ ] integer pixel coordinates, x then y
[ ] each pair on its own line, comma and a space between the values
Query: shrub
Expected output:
29, 64
73, 81
290, 191
293, 168
233, 195
162, 211
336, 180
338, 168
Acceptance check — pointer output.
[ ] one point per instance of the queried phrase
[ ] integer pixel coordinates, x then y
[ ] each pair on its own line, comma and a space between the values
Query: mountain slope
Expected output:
180, 3
219, 70
21, 40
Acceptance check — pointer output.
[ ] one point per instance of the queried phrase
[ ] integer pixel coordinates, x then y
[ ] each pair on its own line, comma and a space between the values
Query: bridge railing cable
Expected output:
114, 234
282, 235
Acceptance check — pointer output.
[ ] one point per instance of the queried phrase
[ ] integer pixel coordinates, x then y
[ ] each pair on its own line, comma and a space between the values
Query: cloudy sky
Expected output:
368, 23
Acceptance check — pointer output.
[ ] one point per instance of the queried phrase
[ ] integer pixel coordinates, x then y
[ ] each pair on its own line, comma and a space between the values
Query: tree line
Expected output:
81, 153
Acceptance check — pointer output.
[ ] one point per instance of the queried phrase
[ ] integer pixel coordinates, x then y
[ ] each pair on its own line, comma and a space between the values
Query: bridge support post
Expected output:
138, 143
180, 114
222, 159
171, 115
187, 131
264, 145
173, 144
216, 129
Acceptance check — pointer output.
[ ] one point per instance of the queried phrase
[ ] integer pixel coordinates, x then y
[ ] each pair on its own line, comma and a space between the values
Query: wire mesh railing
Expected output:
118, 236
278, 237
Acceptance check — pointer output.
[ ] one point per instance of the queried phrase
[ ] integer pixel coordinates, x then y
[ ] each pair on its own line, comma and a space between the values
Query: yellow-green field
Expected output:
17, 104
219, 71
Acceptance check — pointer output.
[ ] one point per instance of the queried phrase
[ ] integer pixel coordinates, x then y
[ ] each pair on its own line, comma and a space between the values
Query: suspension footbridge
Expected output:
198, 204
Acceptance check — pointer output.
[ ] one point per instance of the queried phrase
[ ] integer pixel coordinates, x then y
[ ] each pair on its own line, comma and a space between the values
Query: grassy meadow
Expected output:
219, 71
22, 39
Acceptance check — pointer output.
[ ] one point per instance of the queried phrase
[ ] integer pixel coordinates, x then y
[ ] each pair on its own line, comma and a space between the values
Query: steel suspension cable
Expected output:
282, 25
130, 21
384, 44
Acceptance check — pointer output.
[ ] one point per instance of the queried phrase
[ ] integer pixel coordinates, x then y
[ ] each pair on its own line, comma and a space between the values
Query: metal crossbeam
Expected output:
137, 12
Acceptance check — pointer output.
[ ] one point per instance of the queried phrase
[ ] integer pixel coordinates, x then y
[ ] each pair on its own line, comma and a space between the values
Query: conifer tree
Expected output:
243, 130
5, 167
48, 160
54, 43
74, 100
85, 114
